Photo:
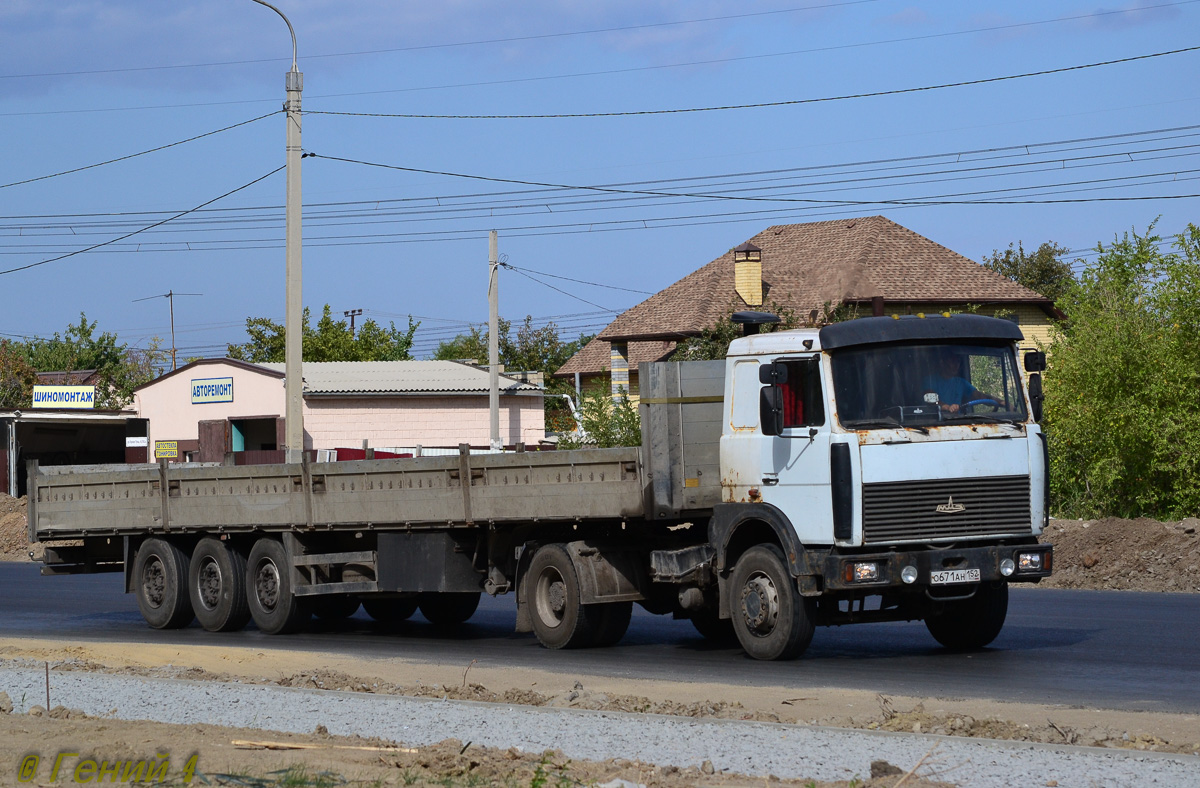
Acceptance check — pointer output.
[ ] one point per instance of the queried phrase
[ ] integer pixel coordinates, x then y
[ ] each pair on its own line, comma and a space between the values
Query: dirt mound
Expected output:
1132, 555
13, 538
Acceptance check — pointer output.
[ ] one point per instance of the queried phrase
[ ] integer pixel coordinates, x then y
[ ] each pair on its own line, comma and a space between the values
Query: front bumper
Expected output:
890, 566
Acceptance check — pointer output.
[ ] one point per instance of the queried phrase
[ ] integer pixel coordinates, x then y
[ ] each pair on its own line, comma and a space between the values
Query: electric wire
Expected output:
143, 229
765, 104
488, 41
139, 153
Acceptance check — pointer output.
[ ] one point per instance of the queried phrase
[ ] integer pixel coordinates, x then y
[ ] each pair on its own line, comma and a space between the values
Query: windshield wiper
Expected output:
982, 417
887, 421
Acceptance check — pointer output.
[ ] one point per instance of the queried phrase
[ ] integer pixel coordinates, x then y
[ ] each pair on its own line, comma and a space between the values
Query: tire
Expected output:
972, 623
611, 621
217, 586
559, 620
273, 606
715, 629
390, 611
771, 619
335, 607
449, 609
160, 581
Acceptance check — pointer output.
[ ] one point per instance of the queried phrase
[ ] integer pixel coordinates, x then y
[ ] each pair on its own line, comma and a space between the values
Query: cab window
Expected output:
802, 404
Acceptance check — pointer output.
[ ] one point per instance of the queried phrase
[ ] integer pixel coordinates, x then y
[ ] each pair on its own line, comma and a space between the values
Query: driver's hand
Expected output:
951, 408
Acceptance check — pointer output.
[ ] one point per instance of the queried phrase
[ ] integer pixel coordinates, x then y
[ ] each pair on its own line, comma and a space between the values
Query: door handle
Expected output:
770, 481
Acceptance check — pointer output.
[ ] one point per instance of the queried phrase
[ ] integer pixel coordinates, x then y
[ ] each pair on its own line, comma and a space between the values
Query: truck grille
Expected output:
945, 509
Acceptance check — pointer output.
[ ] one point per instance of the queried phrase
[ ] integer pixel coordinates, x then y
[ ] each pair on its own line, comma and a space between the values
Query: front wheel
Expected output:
771, 619
973, 623
275, 609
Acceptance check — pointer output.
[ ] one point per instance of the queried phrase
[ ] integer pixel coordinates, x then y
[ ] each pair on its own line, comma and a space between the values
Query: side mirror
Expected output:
1035, 395
774, 374
770, 409
1035, 361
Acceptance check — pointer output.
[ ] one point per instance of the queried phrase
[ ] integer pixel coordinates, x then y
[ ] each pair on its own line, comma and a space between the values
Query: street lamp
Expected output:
293, 337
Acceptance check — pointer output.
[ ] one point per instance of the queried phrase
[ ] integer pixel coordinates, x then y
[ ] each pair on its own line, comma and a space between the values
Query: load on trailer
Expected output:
874, 470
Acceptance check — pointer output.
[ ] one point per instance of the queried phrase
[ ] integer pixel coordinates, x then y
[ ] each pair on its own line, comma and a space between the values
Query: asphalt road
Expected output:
1092, 649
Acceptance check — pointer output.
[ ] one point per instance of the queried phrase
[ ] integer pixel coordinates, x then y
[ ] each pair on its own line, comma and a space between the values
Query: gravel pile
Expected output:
752, 748
1129, 555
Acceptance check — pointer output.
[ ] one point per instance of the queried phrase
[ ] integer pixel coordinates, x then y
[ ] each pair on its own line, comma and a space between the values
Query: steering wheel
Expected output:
996, 406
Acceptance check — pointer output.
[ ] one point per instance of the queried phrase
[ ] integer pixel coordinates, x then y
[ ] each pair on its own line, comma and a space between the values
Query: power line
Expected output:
479, 42
558, 289
1017, 149
143, 229
764, 104
710, 196
742, 58
578, 281
139, 153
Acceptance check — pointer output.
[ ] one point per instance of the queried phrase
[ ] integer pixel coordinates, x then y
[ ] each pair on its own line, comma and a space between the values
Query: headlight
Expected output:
909, 574
1030, 562
1007, 567
861, 572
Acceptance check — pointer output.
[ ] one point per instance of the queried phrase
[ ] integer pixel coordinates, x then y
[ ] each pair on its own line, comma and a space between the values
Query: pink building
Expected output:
209, 407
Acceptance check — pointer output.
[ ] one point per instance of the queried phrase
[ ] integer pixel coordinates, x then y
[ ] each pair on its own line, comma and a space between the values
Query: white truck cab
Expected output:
896, 458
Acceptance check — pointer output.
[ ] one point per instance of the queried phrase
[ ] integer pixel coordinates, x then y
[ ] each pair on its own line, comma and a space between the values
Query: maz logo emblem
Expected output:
950, 507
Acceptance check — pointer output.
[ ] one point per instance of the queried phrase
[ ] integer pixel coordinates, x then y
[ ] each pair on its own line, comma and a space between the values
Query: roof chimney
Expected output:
747, 273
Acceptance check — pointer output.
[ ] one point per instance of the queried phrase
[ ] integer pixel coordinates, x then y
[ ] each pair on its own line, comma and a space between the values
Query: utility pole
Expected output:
293, 334
494, 340
170, 296
352, 313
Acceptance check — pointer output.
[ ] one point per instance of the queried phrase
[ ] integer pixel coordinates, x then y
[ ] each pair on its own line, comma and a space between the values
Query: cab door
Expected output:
795, 464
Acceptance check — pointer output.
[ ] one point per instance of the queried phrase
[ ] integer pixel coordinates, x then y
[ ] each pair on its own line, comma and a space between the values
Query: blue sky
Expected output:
88, 81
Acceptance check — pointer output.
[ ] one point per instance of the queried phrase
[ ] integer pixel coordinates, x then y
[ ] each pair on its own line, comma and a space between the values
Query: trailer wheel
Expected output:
559, 620
217, 586
390, 611
335, 607
160, 576
611, 622
771, 619
275, 609
971, 623
450, 608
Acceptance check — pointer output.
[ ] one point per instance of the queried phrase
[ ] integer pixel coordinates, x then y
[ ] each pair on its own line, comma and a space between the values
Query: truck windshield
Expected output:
924, 385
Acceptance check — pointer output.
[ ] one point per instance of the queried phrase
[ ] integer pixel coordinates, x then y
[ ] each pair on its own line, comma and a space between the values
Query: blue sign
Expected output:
209, 390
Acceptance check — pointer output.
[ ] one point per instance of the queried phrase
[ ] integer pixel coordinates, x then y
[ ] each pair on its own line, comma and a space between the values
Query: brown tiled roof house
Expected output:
872, 262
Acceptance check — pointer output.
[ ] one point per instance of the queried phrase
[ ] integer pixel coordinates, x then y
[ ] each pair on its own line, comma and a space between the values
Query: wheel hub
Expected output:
760, 604
209, 581
266, 585
154, 582
550, 600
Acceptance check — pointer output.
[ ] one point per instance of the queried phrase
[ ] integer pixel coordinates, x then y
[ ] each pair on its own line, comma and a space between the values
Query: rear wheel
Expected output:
771, 619
559, 620
335, 607
390, 611
160, 581
450, 608
275, 609
970, 623
217, 586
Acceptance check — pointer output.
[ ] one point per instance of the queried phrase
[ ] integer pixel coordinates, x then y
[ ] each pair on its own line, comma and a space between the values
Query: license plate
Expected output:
951, 576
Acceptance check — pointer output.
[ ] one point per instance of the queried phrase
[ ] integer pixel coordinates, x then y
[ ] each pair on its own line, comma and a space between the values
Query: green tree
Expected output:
1043, 271
1121, 389
534, 349
330, 340
605, 423
17, 376
120, 368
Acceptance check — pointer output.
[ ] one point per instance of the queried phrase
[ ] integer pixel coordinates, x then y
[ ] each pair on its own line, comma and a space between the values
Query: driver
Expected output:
951, 388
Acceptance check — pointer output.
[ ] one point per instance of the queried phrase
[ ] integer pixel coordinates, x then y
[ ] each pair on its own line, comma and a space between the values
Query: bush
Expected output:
1123, 381
605, 423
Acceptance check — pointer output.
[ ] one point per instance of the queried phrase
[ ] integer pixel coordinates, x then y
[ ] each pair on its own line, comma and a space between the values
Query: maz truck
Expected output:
880, 469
